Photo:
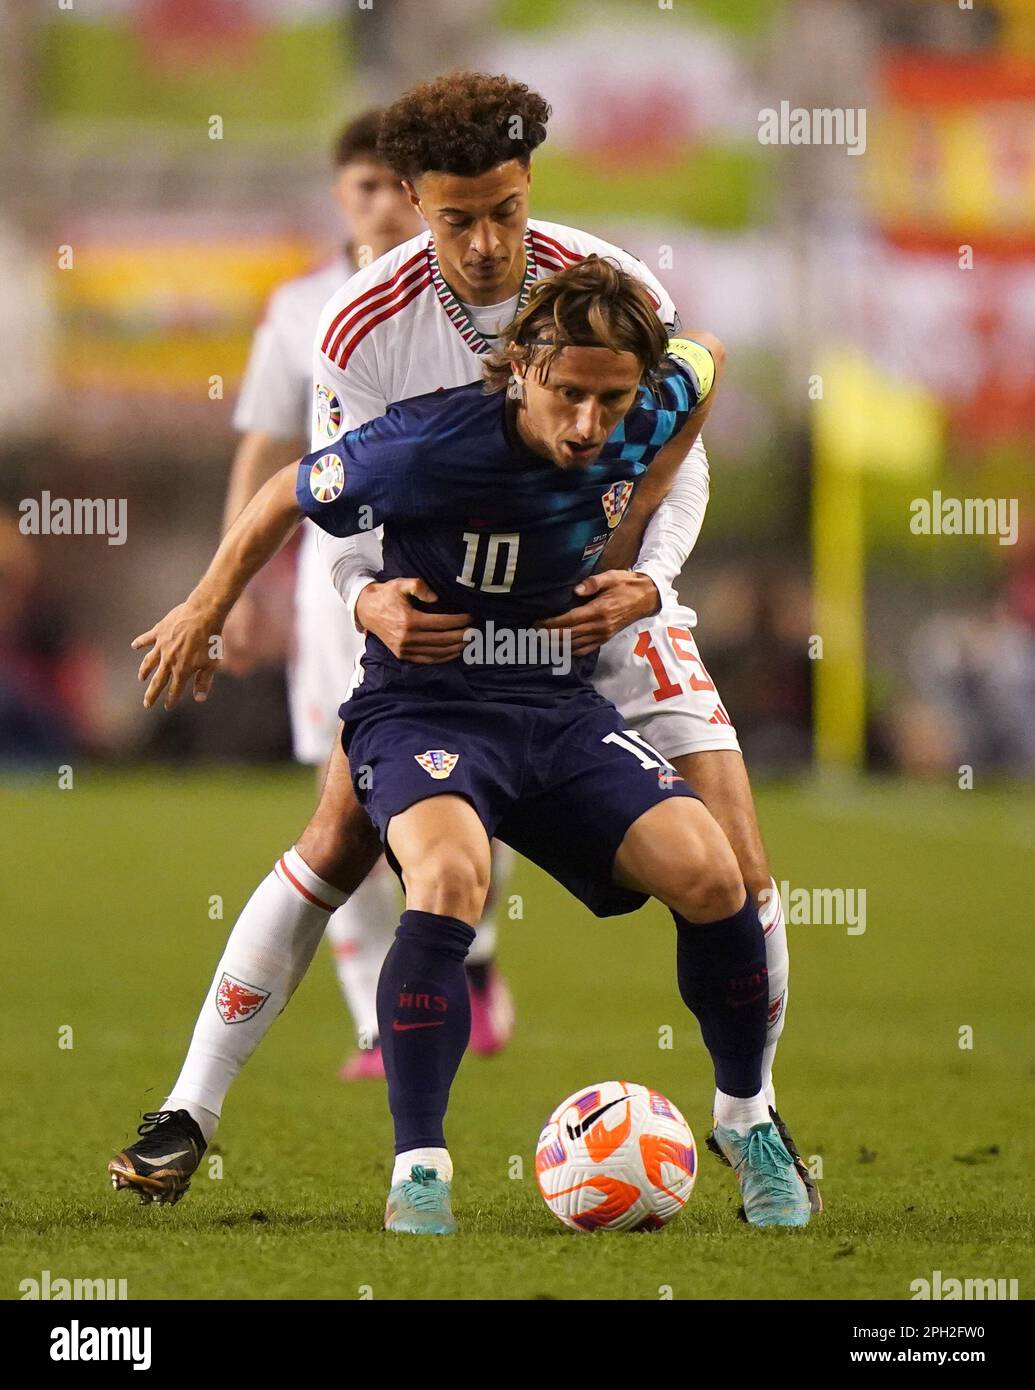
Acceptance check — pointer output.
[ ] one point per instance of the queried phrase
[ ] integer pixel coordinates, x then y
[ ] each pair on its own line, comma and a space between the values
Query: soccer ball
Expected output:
616, 1157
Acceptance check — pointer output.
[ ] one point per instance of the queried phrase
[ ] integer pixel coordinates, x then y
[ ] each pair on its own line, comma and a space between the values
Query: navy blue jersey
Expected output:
494, 529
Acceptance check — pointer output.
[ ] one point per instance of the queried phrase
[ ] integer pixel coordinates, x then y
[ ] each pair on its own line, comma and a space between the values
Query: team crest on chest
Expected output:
327, 478
615, 501
437, 762
328, 412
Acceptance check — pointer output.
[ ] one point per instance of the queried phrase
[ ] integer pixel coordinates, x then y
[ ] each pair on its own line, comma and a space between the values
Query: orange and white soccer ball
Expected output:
616, 1157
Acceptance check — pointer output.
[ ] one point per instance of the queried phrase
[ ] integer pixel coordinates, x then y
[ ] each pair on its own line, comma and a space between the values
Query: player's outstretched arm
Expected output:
181, 644
258, 456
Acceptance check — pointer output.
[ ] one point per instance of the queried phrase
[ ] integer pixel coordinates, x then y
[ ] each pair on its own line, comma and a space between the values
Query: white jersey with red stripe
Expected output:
396, 330
368, 353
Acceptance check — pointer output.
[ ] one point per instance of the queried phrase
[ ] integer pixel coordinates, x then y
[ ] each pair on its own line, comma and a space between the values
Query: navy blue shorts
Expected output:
562, 784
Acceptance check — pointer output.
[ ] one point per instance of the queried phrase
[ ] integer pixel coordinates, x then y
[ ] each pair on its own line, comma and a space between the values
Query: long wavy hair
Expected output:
592, 304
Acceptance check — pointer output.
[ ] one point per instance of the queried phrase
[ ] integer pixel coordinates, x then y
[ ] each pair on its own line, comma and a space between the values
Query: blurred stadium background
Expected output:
805, 260
136, 255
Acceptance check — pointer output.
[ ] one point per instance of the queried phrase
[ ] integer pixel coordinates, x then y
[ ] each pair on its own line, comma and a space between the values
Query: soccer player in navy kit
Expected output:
500, 502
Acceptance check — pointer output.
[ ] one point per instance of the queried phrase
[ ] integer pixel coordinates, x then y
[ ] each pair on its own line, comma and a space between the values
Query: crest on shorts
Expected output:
328, 412
437, 762
615, 501
327, 478
237, 1001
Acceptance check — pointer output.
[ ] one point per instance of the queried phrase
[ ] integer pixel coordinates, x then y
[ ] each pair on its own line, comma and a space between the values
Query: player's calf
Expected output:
424, 1019
683, 858
720, 779
423, 1003
721, 968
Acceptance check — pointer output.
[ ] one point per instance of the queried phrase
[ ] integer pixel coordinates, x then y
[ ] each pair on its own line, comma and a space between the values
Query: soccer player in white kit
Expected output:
420, 319
273, 416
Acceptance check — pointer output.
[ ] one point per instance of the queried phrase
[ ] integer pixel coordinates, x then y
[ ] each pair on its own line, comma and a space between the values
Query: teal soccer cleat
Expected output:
419, 1205
772, 1191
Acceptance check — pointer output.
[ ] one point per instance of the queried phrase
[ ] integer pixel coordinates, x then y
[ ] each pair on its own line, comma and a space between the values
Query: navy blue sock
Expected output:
725, 983
424, 1018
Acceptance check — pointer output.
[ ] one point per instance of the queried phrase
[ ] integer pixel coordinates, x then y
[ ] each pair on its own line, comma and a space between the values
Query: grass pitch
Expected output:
107, 932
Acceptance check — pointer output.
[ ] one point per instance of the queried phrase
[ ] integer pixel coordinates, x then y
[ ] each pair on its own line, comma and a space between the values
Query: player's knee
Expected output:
451, 880
715, 887
717, 897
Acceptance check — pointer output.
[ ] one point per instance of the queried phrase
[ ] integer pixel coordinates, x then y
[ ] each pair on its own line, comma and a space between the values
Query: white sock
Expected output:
360, 933
206, 1120
266, 955
429, 1158
734, 1112
776, 958
483, 947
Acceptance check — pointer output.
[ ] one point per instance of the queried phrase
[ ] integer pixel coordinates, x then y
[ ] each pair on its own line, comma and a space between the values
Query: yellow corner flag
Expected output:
865, 422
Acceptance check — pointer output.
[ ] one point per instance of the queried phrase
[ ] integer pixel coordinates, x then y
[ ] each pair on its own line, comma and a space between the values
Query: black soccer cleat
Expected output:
809, 1182
159, 1166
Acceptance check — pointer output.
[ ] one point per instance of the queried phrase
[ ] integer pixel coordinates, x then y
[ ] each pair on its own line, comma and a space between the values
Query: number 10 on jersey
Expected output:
501, 553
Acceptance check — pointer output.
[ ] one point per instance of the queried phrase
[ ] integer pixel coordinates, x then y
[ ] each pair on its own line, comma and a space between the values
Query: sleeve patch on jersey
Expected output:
328, 412
698, 358
327, 478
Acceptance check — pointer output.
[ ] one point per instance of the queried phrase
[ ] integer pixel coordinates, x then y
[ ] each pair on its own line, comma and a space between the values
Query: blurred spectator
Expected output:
49, 681
975, 677
756, 629
245, 718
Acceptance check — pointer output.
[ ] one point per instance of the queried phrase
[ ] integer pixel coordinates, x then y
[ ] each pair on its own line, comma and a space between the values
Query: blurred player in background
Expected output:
273, 415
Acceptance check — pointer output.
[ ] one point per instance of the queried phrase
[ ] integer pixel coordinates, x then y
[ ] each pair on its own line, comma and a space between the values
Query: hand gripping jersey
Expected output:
494, 529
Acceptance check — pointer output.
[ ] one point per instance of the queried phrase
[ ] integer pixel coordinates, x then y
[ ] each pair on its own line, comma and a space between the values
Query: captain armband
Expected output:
698, 359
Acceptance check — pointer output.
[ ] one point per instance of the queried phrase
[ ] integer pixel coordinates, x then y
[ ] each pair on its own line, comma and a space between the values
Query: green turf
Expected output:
105, 914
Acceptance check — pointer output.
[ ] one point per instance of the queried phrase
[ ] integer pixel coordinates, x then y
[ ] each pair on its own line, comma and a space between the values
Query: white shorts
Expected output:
652, 670
328, 647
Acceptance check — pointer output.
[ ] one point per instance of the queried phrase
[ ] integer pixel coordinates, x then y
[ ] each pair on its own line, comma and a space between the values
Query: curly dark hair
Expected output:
462, 123
594, 303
